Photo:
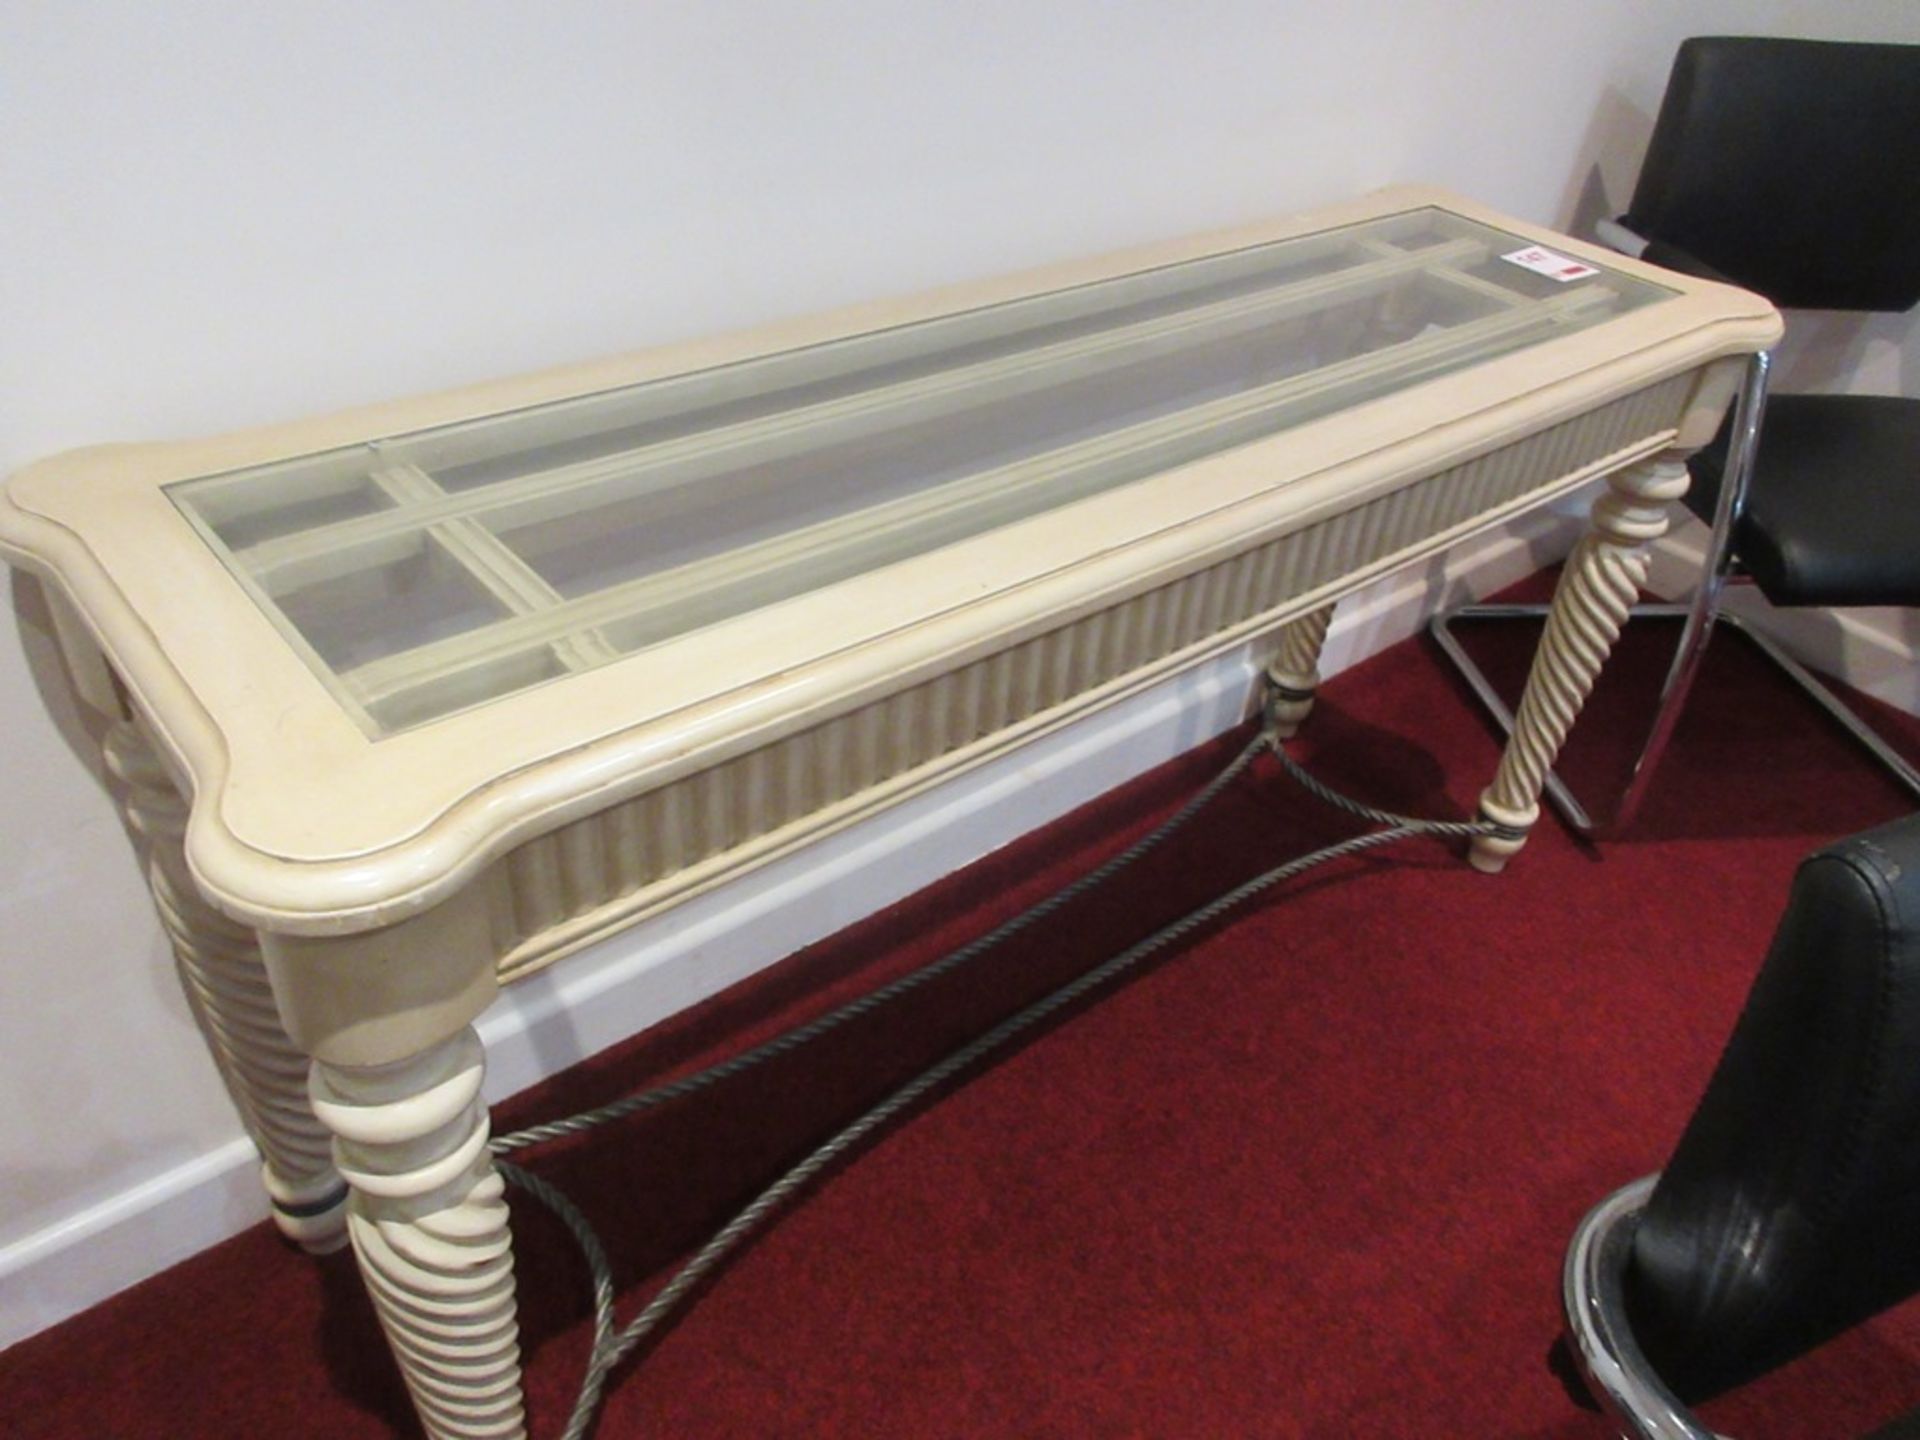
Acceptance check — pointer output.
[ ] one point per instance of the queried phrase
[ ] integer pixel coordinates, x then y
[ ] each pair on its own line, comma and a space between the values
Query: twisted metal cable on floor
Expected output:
611, 1345
793, 1039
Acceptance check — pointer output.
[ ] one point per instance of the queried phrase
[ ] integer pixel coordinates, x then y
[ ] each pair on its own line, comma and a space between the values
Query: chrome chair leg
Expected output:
1686, 663
1701, 614
1593, 1294
1902, 771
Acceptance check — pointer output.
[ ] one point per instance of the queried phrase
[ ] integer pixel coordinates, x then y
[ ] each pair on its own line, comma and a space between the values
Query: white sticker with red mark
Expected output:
1544, 262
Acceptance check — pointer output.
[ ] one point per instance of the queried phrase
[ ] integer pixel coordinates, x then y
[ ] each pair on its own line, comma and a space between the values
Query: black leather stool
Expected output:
1790, 1209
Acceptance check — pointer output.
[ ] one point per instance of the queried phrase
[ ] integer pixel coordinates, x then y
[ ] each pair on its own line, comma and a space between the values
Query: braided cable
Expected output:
800, 1035
611, 1346
1327, 795
599, 1267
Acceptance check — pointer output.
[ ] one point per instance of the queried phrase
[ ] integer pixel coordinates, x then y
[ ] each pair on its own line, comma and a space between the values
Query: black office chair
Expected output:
1790, 1209
1790, 167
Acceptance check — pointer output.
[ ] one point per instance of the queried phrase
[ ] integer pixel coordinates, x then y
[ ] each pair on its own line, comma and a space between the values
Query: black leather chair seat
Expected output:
1833, 512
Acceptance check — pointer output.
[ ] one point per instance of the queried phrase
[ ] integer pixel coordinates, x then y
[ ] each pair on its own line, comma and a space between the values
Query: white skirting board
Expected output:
1870, 648
623, 985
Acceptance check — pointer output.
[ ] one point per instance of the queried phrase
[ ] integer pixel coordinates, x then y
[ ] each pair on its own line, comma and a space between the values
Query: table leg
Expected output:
226, 986
1598, 585
428, 1222
387, 1016
1294, 673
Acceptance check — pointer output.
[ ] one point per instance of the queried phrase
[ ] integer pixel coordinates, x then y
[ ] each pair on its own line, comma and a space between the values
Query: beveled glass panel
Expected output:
428, 572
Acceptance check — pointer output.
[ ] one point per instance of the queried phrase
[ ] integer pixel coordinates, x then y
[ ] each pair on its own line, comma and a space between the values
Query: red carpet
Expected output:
1311, 1175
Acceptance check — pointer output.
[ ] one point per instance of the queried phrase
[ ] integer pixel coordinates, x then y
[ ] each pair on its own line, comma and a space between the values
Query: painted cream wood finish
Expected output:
405, 827
306, 825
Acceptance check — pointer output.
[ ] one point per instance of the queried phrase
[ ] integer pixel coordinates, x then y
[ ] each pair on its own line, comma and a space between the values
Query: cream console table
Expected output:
406, 703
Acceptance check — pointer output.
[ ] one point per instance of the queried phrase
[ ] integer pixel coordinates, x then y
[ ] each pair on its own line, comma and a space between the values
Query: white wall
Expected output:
219, 215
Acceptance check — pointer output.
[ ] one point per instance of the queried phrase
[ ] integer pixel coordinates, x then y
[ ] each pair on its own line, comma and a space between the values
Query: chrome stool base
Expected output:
1593, 1293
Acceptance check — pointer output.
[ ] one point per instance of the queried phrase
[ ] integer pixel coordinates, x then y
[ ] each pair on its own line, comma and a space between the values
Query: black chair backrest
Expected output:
1793, 167
1791, 1207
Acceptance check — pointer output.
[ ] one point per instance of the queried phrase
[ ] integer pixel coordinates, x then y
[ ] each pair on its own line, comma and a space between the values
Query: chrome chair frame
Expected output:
1700, 615
1593, 1293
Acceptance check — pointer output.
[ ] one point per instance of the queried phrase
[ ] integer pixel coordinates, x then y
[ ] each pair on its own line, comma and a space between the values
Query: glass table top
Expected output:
428, 572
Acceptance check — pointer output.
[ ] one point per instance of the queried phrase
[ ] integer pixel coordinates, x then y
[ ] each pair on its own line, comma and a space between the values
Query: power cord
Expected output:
611, 1345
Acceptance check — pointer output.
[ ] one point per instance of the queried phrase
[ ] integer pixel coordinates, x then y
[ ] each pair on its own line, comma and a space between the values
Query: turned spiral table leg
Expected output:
1294, 673
227, 988
428, 1222
1598, 586
387, 1015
